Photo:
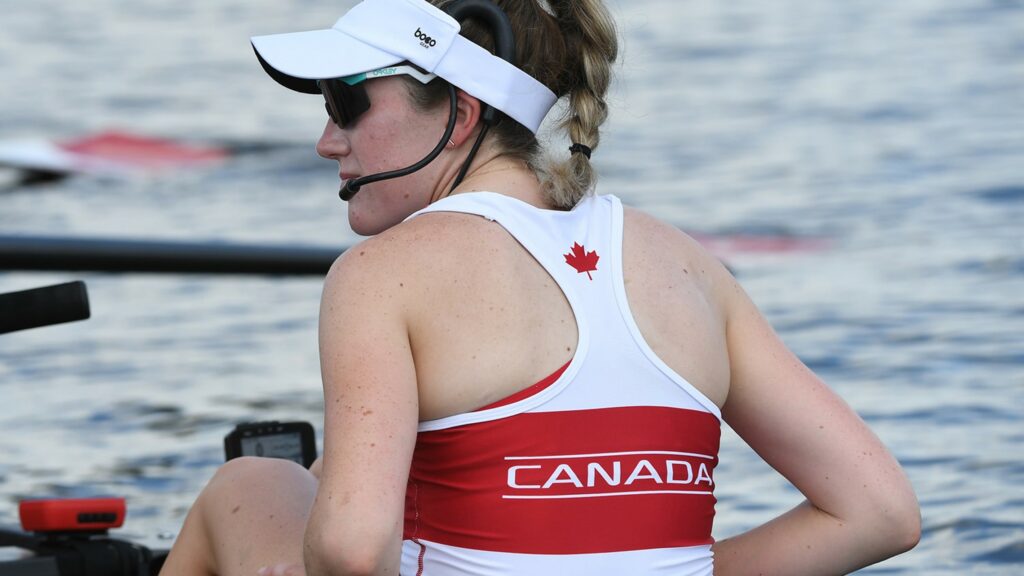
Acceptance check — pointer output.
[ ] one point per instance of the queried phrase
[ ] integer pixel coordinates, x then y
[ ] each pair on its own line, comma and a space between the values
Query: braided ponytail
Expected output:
592, 45
569, 46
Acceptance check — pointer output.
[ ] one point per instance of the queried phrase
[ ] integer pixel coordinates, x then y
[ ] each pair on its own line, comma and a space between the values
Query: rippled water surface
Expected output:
889, 133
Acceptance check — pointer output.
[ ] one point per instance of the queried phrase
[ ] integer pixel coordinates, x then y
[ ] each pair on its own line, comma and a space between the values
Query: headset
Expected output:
504, 48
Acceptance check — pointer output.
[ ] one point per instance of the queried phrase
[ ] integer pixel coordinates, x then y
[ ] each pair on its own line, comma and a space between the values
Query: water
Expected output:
892, 131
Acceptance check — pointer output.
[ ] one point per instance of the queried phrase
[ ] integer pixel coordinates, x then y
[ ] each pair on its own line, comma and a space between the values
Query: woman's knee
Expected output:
248, 467
253, 479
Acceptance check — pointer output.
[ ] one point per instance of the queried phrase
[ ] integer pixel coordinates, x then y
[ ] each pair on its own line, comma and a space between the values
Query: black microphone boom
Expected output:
348, 191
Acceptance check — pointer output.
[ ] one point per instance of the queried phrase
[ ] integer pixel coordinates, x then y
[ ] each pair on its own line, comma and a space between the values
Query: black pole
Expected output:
42, 253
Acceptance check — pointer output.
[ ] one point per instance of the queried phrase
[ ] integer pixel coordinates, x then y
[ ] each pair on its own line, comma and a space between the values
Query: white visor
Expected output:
379, 33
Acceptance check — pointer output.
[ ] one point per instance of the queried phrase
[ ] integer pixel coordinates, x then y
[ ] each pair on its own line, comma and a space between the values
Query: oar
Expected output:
109, 255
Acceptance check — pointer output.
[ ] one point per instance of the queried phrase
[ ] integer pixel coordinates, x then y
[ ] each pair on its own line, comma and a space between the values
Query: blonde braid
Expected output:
590, 34
569, 46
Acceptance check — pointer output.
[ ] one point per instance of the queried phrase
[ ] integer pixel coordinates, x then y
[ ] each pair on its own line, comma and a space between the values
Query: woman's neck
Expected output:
503, 175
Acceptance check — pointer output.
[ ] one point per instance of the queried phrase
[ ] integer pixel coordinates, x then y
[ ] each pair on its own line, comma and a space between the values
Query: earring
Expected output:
451, 144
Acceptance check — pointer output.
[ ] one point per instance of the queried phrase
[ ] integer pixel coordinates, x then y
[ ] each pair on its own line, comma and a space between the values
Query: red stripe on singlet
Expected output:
571, 482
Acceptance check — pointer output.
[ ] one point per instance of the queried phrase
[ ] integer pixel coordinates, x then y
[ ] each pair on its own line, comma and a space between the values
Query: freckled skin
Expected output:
391, 134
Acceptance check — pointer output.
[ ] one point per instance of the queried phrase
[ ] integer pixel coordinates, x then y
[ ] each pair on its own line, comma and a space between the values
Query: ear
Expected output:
467, 122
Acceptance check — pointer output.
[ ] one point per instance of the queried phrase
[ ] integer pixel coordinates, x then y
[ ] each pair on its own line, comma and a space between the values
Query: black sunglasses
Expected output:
345, 98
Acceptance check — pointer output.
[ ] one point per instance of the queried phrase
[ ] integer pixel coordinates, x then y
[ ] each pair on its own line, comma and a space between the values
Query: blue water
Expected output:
893, 132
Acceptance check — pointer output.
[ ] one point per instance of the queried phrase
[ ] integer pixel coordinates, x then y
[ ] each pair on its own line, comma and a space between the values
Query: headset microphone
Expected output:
348, 191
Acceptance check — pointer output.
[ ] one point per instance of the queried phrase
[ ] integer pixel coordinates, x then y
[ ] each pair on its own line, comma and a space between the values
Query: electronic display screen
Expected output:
287, 446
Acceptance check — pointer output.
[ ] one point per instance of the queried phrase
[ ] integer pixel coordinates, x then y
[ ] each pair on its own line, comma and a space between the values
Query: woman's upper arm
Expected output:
802, 428
370, 407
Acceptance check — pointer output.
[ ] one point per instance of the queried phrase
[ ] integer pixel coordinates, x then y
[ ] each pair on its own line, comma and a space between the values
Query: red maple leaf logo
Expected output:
582, 260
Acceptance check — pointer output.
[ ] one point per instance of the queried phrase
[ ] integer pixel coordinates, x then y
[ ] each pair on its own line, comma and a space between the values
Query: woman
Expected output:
521, 377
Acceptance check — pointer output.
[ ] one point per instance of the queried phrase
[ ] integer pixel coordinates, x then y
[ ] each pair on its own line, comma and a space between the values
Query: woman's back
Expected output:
486, 319
613, 457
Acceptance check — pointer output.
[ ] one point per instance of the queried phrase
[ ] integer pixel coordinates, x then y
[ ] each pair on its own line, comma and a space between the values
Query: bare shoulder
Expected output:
654, 233
412, 251
656, 246
424, 273
675, 288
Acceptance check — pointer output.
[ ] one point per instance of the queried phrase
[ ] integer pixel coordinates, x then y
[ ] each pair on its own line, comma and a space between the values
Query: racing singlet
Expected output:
604, 468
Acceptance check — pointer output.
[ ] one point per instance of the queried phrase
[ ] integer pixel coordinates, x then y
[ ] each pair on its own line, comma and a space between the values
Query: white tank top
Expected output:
606, 468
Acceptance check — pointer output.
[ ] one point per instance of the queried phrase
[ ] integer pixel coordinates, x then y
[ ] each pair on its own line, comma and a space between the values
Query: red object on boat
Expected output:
71, 514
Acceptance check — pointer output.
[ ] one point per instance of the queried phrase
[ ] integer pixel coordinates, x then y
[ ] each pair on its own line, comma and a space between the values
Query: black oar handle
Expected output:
43, 306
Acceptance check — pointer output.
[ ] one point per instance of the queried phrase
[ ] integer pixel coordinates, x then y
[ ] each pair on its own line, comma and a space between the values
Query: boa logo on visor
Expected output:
425, 41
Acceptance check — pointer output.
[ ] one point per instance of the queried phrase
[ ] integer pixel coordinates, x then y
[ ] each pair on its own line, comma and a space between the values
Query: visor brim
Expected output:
297, 60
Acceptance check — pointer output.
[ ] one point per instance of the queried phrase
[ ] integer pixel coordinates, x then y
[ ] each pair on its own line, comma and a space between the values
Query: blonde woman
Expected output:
521, 376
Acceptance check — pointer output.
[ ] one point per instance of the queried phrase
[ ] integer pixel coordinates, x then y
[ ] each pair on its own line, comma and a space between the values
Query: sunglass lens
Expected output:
344, 103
